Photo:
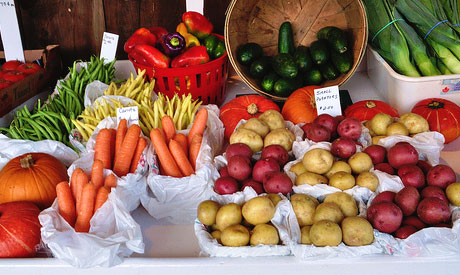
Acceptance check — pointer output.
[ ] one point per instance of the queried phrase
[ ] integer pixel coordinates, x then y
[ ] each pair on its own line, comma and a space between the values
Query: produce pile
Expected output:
14, 71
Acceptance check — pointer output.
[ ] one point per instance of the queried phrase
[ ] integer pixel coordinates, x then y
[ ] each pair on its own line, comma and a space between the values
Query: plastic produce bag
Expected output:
177, 198
114, 234
282, 221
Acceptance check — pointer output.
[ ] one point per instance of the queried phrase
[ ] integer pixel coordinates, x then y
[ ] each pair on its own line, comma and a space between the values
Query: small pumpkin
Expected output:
300, 107
32, 177
244, 107
442, 116
367, 109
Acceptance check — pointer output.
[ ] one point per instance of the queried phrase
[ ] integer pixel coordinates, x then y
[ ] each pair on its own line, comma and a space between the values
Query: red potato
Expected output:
407, 199
277, 152
414, 221
434, 192
402, 153
385, 167
305, 127
239, 167
278, 182
405, 231
240, 149
263, 167
318, 133
343, 147
424, 165
443, 225
441, 176
327, 121
433, 211
385, 216
226, 185
384, 196
377, 153
411, 175
339, 119
224, 172
350, 128
257, 186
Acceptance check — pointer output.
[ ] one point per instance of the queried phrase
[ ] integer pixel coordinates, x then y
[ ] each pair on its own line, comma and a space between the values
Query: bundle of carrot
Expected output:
177, 152
121, 149
85, 195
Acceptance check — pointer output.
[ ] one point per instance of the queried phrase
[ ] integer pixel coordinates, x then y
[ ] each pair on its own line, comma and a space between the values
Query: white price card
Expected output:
195, 5
109, 46
131, 114
9, 29
328, 101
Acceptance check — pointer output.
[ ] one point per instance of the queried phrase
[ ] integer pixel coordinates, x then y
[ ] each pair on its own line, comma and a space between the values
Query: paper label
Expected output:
131, 114
195, 5
109, 46
9, 29
328, 101
450, 86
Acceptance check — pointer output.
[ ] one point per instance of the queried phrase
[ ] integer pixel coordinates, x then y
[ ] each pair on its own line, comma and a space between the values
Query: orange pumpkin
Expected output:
300, 107
442, 116
367, 109
32, 177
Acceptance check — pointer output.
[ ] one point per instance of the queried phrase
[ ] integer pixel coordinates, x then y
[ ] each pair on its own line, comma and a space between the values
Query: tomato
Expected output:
11, 65
2, 72
4, 83
28, 68
14, 76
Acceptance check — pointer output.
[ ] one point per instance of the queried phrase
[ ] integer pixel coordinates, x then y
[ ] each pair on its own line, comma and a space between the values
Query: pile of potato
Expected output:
318, 166
331, 222
235, 225
269, 128
383, 125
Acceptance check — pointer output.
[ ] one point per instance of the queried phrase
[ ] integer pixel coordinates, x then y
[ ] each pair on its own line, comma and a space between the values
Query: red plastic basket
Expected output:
205, 81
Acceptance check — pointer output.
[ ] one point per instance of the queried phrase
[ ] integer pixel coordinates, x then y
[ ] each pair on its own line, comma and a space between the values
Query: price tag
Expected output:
328, 101
131, 114
9, 29
109, 46
195, 5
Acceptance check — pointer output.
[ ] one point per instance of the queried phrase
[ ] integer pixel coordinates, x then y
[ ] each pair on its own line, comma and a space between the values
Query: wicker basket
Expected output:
258, 21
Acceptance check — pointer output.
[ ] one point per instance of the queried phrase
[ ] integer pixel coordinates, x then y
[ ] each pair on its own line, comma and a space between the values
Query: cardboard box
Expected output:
19, 92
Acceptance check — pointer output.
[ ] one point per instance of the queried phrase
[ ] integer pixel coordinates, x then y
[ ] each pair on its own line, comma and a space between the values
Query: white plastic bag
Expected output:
177, 199
211, 247
114, 234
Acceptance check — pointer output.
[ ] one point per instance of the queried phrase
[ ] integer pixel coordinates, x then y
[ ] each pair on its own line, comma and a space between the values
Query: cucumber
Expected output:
313, 77
284, 65
286, 39
269, 81
319, 51
303, 59
219, 50
336, 38
260, 67
342, 61
328, 71
248, 52
284, 87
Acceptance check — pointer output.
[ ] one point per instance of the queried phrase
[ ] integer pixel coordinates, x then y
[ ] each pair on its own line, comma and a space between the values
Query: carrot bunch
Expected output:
121, 149
177, 152
85, 195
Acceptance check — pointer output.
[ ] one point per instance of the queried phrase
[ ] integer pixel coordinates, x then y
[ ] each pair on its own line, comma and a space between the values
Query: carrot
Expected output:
141, 144
199, 124
125, 154
81, 180
73, 181
180, 157
102, 148
113, 138
166, 159
97, 173
162, 132
194, 149
101, 196
120, 136
66, 202
110, 181
182, 139
85, 213
168, 127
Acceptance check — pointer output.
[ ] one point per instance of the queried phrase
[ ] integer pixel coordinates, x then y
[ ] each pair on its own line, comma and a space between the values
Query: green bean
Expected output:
47, 129
13, 133
38, 129
66, 123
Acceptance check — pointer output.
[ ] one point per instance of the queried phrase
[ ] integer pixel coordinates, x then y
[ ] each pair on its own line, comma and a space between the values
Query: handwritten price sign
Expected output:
9, 28
109, 46
328, 101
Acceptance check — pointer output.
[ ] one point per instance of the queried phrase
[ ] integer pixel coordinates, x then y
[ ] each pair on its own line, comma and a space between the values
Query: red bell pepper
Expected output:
197, 24
141, 36
153, 57
193, 56
159, 32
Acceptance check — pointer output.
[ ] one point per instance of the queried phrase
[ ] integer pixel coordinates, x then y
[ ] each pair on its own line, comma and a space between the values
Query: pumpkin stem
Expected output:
370, 104
27, 161
252, 109
436, 105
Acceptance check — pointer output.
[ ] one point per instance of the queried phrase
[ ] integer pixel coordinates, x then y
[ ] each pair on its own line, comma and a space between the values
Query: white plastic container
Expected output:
403, 92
